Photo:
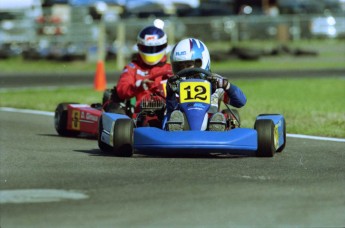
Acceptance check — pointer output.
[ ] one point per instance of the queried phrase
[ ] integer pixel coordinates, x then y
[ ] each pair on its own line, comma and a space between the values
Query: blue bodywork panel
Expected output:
150, 139
234, 141
243, 141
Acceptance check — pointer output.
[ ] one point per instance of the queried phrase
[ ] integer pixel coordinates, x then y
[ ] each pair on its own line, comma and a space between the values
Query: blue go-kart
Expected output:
119, 135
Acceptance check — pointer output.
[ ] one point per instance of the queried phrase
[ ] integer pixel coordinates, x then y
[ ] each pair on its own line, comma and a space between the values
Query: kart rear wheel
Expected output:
265, 131
113, 102
106, 96
123, 137
60, 120
102, 146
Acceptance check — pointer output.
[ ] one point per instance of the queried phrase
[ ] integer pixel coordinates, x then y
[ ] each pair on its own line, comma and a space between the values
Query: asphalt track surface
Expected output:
303, 186
52, 181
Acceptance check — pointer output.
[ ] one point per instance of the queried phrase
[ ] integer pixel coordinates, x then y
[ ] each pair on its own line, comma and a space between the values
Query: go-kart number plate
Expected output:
76, 120
195, 92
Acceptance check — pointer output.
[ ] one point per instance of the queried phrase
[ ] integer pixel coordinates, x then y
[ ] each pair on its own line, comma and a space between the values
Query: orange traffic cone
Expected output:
100, 83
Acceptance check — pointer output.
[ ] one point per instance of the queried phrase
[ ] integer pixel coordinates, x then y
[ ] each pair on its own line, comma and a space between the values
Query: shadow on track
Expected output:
185, 155
82, 136
181, 154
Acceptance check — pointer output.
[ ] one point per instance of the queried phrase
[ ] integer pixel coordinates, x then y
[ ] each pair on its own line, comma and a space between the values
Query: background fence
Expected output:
77, 35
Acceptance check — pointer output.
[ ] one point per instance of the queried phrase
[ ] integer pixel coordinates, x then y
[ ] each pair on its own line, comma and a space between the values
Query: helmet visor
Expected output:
152, 59
178, 66
151, 49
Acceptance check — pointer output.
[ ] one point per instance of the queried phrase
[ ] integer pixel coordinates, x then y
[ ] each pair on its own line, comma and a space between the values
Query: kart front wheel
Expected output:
265, 131
60, 120
123, 137
102, 146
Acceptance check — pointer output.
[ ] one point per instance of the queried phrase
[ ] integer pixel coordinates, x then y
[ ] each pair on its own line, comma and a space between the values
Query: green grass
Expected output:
311, 106
18, 65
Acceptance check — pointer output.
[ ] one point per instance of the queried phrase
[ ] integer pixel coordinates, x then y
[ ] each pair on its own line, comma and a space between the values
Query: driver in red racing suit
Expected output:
145, 74
140, 80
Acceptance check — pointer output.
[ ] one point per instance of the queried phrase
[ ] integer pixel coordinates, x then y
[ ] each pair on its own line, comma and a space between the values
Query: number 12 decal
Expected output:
200, 91
195, 92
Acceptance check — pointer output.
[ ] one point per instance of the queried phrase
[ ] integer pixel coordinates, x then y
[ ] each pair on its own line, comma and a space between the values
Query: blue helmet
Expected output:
190, 52
152, 43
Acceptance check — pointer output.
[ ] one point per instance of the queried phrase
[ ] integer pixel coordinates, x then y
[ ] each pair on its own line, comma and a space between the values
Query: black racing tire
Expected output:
265, 132
246, 53
60, 120
123, 137
280, 149
102, 146
106, 96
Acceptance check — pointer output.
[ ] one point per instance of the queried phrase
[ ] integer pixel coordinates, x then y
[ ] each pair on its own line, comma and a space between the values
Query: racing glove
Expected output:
173, 83
219, 81
145, 84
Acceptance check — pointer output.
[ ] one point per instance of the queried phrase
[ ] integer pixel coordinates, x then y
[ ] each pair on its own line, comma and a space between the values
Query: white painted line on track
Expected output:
29, 111
39, 195
315, 137
6, 109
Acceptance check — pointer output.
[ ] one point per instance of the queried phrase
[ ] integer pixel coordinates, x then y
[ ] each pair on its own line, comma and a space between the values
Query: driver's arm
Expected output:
236, 96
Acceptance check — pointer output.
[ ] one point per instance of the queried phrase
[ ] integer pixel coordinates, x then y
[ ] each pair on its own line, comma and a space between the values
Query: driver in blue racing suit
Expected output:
190, 53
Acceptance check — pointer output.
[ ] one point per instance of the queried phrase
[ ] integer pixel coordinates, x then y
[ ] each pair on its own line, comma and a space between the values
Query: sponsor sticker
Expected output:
151, 39
91, 117
142, 73
181, 53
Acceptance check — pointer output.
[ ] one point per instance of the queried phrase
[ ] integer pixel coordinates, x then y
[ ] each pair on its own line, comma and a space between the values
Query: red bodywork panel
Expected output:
83, 118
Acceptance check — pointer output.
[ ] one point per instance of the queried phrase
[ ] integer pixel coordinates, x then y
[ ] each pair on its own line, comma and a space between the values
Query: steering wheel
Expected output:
187, 71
